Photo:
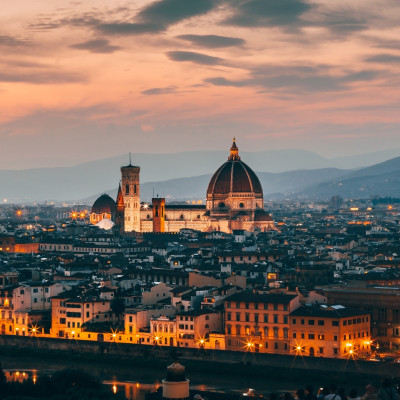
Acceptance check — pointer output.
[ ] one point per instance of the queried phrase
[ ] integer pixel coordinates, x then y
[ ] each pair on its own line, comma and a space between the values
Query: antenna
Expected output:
130, 159
153, 192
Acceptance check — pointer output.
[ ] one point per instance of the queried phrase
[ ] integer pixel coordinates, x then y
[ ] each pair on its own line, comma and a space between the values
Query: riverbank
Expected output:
203, 364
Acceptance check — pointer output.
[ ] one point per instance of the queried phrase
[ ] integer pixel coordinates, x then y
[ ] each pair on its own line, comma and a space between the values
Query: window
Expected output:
238, 316
285, 332
266, 318
294, 335
335, 323
294, 321
276, 332
302, 336
335, 351
256, 318
302, 321
321, 350
247, 317
344, 323
228, 316
35, 290
311, 322
335, 338
241, 205
275, 307
311, 336
321, 337
285, 320
238, 330
126, 189
266, 331
321, 322
285, 307
276, 345
275, 319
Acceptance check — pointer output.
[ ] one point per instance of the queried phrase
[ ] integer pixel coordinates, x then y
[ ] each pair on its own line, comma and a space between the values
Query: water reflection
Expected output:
19, 376
132, 390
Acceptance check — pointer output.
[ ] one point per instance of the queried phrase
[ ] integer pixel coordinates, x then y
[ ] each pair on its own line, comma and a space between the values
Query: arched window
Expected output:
221, 205
241, 205
266, 331
181, 217
198, 217
276, 332
229, 329
238, 330
285, 332
247, 330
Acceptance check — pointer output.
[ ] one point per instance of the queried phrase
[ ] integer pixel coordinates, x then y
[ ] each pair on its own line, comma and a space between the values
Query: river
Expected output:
135, 382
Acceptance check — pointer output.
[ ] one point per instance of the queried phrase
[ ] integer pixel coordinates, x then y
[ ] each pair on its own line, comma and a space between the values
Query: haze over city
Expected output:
86, 80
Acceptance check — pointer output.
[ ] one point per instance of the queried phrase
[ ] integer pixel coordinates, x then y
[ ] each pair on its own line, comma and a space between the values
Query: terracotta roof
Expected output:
104, 204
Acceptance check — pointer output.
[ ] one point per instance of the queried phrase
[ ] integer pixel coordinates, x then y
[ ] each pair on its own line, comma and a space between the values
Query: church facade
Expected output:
234, 201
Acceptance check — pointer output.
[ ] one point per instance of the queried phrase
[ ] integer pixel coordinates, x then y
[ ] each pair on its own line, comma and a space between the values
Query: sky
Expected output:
84, 80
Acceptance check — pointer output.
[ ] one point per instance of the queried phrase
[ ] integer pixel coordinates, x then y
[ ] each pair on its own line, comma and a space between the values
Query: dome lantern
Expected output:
234, 156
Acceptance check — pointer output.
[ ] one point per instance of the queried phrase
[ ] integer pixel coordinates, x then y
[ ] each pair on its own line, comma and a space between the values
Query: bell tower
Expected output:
131, 194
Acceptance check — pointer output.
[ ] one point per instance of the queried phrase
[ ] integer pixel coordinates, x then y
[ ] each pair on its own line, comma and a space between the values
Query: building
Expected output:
259, 322
104, 208
381, 303
234, 201
329, 331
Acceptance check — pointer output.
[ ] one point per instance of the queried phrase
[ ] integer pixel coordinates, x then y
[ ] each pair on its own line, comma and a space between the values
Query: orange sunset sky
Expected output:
83, 80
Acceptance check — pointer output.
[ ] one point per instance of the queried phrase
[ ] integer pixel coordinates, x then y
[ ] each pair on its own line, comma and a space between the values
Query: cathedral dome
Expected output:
104, 204
234, 176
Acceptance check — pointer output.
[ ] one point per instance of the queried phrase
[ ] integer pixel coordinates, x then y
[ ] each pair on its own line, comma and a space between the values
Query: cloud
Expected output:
11, 41
384, 58
96, 46
20, 71
157, 91
196, 58
212, 41
158, 17
295, 79
268, 13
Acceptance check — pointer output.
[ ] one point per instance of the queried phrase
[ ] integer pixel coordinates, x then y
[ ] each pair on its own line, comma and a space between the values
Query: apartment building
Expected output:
329, 331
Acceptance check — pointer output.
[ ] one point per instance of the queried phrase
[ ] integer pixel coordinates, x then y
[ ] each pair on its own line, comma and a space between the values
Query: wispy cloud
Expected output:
212, 41
193, 57
96, 46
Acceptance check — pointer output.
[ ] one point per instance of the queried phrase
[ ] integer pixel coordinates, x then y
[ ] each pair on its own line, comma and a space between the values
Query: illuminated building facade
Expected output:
330, 331
259, 322
234, 201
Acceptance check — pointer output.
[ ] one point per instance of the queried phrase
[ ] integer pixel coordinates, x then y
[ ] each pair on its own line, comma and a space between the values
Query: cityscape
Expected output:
200, 200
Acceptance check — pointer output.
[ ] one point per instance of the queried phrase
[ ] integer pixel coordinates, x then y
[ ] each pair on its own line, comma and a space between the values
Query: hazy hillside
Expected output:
382, 179
195, 188
83, 180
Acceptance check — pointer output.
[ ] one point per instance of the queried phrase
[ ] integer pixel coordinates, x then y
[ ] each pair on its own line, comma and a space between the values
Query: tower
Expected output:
131, 195
119, 216
158, 214
176, 386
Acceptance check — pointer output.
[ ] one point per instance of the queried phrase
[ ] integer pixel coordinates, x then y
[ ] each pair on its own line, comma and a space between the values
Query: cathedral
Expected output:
234, 201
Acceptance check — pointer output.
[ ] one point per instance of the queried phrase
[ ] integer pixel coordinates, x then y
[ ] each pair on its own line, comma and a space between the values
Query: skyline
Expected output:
180, 76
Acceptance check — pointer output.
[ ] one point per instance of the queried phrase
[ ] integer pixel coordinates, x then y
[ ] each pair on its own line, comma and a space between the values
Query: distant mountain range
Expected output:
183, 176
382, 180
